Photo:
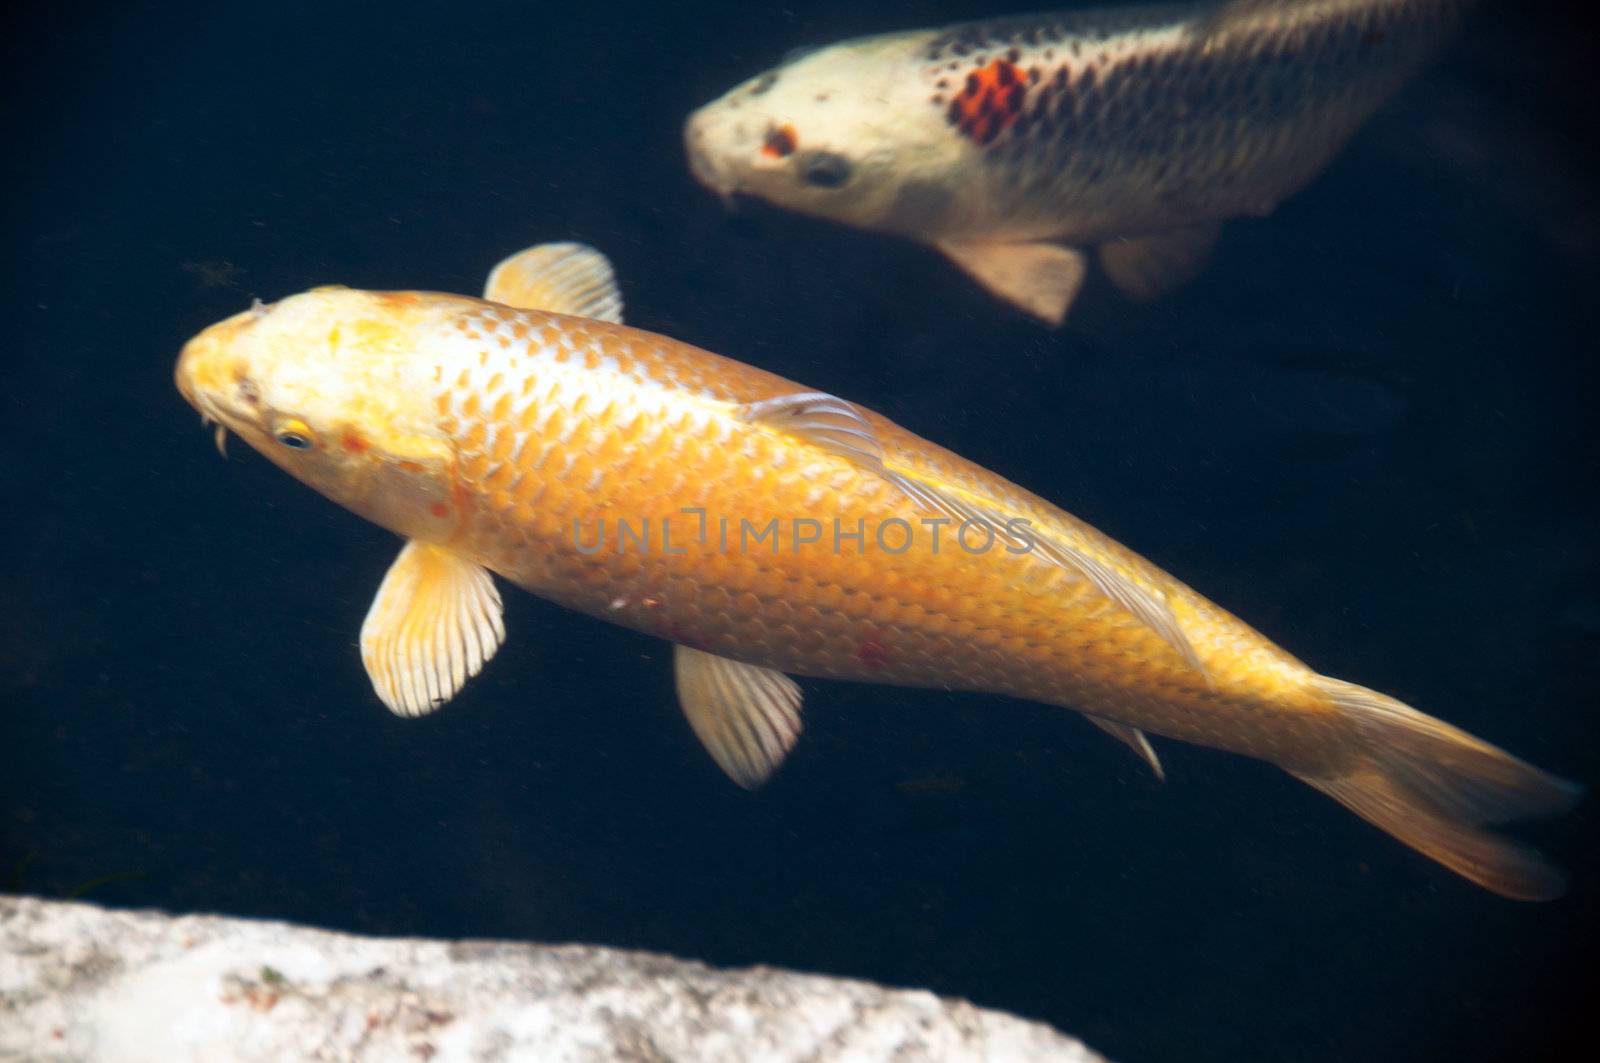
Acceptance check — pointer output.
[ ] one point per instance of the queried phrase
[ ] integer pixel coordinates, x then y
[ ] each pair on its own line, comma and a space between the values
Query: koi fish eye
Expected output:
295, 434
824, 169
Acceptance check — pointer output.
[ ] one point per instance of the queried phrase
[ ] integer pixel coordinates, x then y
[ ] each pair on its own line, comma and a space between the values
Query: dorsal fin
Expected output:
563, 278
836, 426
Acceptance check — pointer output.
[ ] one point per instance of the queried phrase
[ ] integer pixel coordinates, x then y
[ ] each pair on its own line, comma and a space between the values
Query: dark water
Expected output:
1367, 429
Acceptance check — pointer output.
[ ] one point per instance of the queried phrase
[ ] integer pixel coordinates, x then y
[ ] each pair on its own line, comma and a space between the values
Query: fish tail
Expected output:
1432, 785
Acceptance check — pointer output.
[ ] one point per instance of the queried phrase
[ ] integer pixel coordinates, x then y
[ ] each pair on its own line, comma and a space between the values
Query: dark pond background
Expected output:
1367, 429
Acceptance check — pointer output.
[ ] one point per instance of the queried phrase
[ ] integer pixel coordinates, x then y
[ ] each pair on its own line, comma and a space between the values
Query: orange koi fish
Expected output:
767, 529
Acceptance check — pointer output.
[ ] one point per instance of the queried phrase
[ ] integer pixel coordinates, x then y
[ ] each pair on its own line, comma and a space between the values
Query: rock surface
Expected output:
79, 982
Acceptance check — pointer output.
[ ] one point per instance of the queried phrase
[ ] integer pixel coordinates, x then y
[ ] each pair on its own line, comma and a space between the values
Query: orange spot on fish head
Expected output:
440, 510
780, 142
352, 442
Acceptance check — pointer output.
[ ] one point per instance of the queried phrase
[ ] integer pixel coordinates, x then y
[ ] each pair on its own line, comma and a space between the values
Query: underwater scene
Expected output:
1091, 513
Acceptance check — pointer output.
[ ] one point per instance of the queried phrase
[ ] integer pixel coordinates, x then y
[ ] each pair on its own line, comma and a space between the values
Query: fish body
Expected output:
767, 529
1012, 144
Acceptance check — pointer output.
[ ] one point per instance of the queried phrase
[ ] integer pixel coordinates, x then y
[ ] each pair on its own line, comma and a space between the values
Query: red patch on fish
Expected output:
353, 442
873, 653
780, 143
990, 101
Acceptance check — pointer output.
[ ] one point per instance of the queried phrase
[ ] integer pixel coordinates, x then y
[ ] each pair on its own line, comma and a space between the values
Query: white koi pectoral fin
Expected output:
1042, 279
1148, 267
1134, 739
747, 717
434, 624
836, 426
564, 278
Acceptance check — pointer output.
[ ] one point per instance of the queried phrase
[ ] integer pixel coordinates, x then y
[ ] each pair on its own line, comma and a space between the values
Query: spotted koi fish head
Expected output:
833, 132
334, 386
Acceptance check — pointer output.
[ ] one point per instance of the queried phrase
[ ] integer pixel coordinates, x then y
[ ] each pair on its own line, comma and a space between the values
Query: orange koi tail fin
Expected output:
1432, 785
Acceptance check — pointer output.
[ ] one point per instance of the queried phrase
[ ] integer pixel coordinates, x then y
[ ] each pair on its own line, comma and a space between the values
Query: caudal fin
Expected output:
1431, 786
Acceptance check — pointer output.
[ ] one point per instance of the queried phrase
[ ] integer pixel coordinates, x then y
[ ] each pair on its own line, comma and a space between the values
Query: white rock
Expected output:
79, 982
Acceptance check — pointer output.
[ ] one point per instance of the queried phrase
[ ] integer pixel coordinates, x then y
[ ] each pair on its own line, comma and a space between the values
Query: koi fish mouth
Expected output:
703, 165
206, 421
210, 415
198, 376
214, 413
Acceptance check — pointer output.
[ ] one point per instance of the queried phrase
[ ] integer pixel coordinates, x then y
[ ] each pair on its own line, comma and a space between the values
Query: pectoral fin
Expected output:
562, 278
1135, 740
747, 717
435, 622
834, 425
1147, 267
1041, 279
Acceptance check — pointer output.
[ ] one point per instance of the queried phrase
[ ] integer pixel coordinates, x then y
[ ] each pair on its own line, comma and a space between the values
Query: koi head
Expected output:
833, 132
335, 386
